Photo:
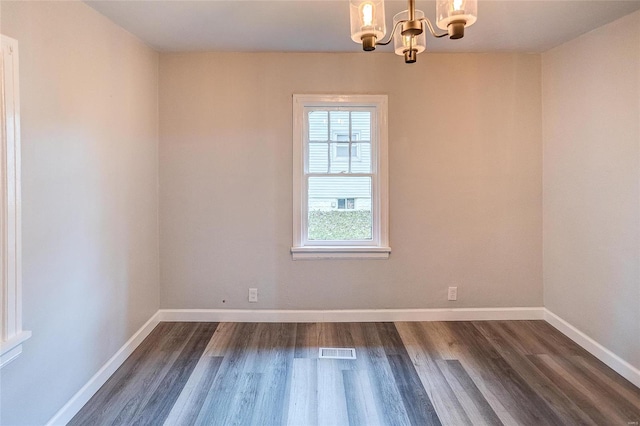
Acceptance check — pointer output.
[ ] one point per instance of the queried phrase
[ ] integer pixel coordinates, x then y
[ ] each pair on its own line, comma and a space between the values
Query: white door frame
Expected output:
11, 333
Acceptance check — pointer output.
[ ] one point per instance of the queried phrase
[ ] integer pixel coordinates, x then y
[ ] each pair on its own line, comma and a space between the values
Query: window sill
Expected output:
340, 252
10, 349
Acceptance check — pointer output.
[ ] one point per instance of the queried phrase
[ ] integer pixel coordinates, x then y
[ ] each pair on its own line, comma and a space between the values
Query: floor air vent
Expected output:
337, 353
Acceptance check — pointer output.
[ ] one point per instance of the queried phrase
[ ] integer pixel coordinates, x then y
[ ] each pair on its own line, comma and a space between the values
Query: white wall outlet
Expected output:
453, 293
253, 295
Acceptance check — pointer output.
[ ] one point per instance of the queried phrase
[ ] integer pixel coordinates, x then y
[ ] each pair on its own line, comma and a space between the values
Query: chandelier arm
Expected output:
431, 30
384, 43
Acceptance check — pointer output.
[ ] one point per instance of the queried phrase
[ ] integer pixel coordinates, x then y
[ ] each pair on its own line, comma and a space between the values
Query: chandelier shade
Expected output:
456, 12
404, 43
367, 21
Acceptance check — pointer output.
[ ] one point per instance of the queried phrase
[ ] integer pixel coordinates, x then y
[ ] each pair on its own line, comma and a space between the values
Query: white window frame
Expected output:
378, 247
11, 334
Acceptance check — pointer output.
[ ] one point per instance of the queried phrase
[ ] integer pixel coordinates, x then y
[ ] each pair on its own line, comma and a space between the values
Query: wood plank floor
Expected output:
413, 373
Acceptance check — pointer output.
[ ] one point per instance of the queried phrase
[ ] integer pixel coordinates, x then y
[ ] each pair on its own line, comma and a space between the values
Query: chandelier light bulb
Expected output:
367, 14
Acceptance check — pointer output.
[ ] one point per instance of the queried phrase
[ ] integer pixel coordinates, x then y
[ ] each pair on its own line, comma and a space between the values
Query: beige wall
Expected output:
591, 118
465, 181
89, 151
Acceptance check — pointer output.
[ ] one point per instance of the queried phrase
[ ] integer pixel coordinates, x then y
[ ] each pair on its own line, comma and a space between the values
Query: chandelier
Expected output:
408, 34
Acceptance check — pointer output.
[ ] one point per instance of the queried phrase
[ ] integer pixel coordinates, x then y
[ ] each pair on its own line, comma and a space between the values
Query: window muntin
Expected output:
340, 183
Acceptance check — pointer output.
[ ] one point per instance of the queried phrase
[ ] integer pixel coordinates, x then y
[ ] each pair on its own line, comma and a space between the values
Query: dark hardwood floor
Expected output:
428, 373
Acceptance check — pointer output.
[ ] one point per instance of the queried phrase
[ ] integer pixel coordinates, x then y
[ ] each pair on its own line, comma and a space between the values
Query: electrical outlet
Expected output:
453, 293
253, 295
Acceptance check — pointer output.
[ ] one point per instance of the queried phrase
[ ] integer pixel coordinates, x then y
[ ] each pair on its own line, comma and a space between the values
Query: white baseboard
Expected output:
351, 315
71, 408
618, 364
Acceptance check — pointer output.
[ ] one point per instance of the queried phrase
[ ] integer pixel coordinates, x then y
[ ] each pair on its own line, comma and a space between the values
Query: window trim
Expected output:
11, 334
378, 248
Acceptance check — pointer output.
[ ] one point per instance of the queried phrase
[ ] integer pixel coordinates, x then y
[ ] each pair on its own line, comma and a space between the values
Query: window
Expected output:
346, 203
341, 150
340, 177
11, 333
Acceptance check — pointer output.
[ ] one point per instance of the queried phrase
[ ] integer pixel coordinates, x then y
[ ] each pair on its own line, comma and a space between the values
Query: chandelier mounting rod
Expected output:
412, 10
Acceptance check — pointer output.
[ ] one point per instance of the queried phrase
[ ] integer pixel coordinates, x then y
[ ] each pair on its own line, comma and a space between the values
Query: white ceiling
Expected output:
323, 25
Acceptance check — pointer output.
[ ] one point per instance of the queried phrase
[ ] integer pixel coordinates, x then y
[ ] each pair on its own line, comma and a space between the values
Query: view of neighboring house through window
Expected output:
341, 150
336, 171
341, 191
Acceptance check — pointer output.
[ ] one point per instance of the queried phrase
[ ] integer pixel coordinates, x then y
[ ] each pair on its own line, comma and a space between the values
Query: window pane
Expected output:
318, 125
318, 157
361, 124
340, 158
339, 125
342, 151
361, 158
339, 208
